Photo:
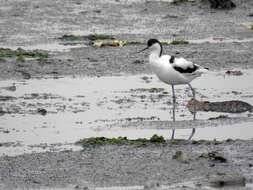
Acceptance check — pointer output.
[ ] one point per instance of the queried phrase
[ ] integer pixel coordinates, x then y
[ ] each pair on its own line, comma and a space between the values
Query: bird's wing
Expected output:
183, 66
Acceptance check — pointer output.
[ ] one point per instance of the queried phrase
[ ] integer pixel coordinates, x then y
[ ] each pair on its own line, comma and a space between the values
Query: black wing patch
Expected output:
187, 70
172, 59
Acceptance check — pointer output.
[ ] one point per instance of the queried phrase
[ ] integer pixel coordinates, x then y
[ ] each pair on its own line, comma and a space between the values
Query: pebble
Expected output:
227, 180
151, 185
181, 157
249, 27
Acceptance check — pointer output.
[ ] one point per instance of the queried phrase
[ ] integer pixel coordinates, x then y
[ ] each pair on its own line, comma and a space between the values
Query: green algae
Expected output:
134, 43
20, 58
179, 42
140, 142
155, 139
19, 53
179, 1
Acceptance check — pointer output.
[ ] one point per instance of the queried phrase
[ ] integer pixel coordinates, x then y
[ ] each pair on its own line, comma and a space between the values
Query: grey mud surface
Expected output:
39, 24
218, 40
110, 166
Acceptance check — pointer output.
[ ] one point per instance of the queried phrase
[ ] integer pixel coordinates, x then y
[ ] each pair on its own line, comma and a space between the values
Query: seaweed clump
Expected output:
20, 53
179, 42
178, 1
155, 139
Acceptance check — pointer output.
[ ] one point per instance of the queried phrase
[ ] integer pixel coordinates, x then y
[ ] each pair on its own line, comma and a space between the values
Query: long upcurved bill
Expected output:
142, 50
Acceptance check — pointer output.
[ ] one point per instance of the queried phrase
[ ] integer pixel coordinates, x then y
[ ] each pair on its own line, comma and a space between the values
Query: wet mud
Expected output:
69, 71
194, 22
129, 166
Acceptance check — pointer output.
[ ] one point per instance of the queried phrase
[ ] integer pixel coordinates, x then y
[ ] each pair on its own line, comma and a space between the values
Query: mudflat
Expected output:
51, 49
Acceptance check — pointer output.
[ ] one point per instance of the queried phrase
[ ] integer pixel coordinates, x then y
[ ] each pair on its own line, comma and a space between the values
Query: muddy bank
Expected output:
191, 21
127, 165
112, 61
21, 20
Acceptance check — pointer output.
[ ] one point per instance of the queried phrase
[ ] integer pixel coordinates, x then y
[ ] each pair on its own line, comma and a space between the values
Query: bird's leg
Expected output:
194, 109
173, 94
193, 132
174, 107
173, 134
194, 101
193, 91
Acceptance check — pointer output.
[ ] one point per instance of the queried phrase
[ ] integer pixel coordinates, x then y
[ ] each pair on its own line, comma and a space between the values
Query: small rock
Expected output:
2, 112
97, 11
26, 75
170, 16
215, 156
181, 156
227, 180
218, 38
219, 117
6, 131
222, 4
249, 27
235, 92
2, 60
151, 185
233, 106
79, 187
235, 73
138, 62
11, 88
35, 181
92, 59
42, 111
6, 98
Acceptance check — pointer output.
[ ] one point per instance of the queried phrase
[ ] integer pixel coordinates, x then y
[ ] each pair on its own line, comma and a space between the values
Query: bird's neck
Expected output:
154, 60
156, 50
154, 56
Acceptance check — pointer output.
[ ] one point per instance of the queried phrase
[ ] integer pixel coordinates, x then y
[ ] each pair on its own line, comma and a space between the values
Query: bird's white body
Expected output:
165, 70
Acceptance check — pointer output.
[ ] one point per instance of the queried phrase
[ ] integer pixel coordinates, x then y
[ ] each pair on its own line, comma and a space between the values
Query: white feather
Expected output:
183, 63
165, 71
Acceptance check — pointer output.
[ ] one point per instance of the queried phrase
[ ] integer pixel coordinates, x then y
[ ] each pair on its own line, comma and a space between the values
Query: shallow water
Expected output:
132, 106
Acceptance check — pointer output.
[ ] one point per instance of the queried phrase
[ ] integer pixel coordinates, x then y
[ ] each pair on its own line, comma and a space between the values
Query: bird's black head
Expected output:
152, 41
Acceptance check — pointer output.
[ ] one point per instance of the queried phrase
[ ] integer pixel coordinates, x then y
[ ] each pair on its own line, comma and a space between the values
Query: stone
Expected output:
181, 157
227, 180
222, 4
